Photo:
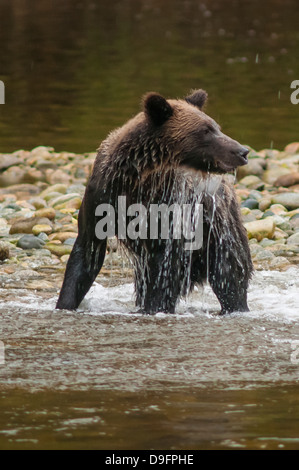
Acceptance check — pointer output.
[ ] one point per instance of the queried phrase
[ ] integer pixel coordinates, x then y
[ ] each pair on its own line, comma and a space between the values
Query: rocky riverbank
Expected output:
41, 192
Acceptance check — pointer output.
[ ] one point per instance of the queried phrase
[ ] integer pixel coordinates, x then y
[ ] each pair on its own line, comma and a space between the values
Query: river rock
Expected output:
62, 236
38, 202
57, 176
21, 191
41, 228
294, 221
59, 250
55, 188
255, 166
25, 225
265, 203
71, 205
273, 173
47, 212
61, 200
7, 160
287, 180
279, 262
279, 234
29, 242
292, 148
288, 200
293, 239
250, 203
260, 229
13, 175
252, 182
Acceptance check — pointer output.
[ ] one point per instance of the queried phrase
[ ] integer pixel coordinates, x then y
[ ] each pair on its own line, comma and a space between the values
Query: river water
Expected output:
107, 377
76, 69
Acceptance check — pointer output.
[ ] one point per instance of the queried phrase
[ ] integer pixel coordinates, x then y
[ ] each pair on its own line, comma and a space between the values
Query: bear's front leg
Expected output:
83, 266
86, 258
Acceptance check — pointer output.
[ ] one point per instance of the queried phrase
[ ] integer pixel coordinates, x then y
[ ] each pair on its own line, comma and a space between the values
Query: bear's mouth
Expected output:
225, 168
239, 160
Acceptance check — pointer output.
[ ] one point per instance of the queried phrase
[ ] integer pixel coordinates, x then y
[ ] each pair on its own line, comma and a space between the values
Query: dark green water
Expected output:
75, 69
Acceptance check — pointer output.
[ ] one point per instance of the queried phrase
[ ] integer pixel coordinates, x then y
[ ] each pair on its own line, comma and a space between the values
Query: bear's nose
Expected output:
243, 154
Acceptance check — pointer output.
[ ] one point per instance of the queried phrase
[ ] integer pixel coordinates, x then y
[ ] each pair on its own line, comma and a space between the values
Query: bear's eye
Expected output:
208, 130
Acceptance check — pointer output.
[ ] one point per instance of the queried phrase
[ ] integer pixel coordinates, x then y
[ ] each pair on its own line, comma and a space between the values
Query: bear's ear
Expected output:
157, 108
197, 98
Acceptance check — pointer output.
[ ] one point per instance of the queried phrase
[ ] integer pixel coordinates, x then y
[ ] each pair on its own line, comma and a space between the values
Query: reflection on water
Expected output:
183, 419
76, 69
103, 377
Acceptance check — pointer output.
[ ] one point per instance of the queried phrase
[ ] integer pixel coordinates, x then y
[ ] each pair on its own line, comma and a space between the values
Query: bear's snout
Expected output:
242, 154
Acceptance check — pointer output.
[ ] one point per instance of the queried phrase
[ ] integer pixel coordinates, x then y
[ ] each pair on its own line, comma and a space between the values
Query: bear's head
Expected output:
193, 137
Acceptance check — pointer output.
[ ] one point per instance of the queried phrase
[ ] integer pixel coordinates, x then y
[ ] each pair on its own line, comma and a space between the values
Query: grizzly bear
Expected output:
170, 153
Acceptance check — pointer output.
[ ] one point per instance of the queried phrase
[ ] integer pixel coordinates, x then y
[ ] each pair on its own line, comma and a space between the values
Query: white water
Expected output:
272, 295
104, 345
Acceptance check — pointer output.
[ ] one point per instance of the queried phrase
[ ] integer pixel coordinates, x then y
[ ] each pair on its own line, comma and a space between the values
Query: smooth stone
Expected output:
64, 258
294, 221
40, 285
61, 199
51, 195
76, 188
58, 176
41, 228
59, 250
287, 180
43, 252
278, 209
58, 188
288, 200
20, 190
70, 241
264, 203
43, 236
254, 194
268, 213
29, 242
47, 212
292, 148
72, 205
62, 236
283, 249
255, 166
279, 262
264, 255
252, 181
25, 225
293, 239
260, 229
8, 160
42, 151
12, 176
279, 234
250, 203
32, 175
265, 242
271, 175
